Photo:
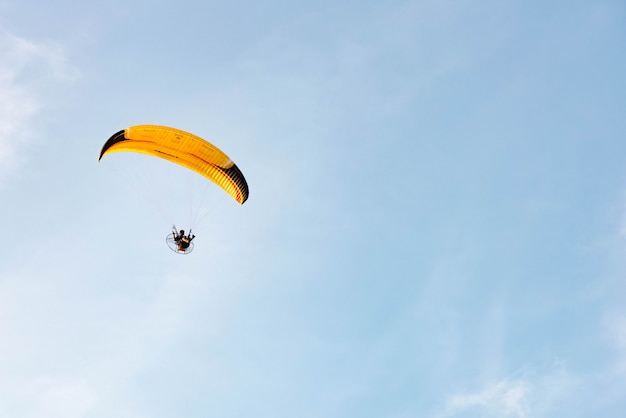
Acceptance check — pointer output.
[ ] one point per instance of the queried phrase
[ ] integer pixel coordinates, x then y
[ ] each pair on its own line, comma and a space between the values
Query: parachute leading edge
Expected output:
184, 149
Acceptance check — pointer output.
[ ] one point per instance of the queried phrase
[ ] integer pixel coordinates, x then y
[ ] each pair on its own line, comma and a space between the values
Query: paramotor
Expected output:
186, 150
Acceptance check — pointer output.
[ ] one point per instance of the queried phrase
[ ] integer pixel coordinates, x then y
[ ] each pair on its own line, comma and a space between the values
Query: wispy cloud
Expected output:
507, 398
537, 394
24, 67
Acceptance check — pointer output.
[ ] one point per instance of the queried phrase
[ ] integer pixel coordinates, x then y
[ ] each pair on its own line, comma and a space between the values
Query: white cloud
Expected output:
538, 394
507, 398
25, 67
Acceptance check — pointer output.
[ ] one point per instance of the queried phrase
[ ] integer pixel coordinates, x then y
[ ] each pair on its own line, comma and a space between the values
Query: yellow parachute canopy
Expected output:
184, 149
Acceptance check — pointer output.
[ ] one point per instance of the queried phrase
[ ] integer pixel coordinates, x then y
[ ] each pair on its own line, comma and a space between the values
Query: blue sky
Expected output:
436, 224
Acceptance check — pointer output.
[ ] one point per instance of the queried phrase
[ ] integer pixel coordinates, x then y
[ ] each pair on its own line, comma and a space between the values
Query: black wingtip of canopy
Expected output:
237, 176
117, 137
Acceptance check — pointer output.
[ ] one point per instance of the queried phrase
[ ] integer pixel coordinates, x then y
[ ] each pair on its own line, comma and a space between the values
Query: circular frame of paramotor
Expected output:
171, 242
